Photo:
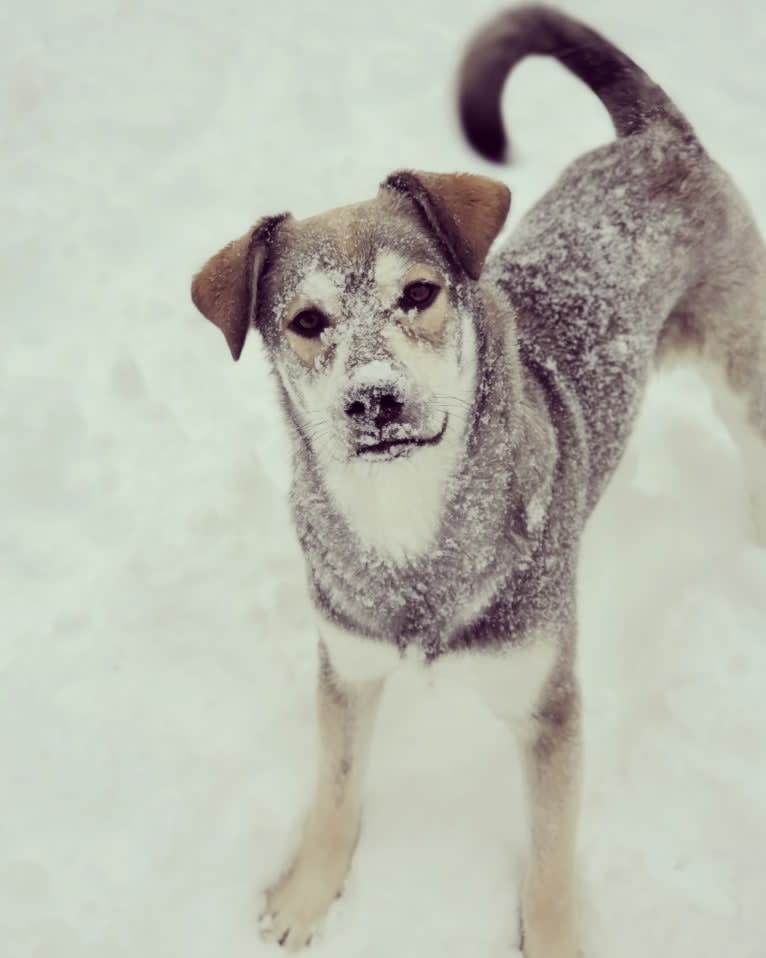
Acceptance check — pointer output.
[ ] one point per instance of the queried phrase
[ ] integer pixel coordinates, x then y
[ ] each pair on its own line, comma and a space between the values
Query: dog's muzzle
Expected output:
382, 424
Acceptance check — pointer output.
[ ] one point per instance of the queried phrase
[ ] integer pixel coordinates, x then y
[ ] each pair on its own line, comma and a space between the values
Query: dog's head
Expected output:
366, 312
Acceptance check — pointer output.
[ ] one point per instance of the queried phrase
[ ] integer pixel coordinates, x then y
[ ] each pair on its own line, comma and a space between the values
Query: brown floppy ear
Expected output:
466, 211
226, 288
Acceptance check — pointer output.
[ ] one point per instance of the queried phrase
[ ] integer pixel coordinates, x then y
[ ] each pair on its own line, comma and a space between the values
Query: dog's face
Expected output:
366, 312
362, 315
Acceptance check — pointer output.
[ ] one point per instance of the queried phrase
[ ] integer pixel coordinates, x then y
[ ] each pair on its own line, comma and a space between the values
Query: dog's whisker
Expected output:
454, 400
316, 436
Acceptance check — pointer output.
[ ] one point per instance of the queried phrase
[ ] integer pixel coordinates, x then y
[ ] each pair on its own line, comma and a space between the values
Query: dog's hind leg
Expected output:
722, 325
744, 413
298, 901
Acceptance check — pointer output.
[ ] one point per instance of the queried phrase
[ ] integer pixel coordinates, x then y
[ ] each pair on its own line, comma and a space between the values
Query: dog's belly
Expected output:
509, 678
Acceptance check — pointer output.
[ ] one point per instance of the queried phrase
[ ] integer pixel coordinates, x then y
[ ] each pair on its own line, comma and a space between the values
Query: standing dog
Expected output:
455, 420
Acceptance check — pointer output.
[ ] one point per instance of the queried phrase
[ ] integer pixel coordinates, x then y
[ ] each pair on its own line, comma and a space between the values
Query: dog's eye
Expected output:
418, 295
309, 323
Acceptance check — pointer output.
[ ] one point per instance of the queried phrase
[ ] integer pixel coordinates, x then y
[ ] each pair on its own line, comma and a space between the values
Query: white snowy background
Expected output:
156, 651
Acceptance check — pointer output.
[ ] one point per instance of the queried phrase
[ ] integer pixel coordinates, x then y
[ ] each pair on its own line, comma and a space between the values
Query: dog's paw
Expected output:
551, 950
549, 932
549, 946
296, 904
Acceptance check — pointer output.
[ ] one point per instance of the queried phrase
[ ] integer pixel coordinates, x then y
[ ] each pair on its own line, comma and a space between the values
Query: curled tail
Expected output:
632, 99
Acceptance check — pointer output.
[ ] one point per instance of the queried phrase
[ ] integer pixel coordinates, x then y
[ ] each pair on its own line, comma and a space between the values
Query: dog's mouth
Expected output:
393, 448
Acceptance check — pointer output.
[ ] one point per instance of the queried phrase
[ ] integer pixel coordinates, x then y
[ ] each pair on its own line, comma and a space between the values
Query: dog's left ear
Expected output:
225, 290
465, 211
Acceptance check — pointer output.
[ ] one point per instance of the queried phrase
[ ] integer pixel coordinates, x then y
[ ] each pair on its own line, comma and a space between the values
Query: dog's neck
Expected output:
490, 511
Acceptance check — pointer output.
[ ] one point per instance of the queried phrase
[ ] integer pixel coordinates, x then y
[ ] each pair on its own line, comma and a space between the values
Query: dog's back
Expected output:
642, 248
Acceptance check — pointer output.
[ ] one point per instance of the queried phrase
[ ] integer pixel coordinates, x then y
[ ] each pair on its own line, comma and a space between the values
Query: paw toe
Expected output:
290, 931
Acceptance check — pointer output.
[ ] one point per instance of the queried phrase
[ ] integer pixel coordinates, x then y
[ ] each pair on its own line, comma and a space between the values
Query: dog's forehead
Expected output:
352, 246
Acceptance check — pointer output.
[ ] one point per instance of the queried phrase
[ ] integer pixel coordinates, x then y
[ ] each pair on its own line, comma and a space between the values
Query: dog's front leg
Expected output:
299, 900
551, 756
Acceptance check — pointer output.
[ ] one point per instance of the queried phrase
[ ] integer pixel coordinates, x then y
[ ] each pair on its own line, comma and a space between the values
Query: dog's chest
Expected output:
406, 599
473, 592
496, 568
422, 604
508, 678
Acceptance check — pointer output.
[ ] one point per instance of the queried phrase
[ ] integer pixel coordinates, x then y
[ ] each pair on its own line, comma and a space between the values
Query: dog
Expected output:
455, 418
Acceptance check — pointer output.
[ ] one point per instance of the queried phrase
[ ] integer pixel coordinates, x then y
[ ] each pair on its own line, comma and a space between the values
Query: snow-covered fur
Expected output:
447, 455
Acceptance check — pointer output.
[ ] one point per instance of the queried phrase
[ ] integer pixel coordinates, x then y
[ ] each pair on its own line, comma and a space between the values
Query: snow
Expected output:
375, 373
390, 267
321, 287
157, 652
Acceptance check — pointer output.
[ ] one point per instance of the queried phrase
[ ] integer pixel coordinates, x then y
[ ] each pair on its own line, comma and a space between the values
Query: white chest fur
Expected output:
509, 679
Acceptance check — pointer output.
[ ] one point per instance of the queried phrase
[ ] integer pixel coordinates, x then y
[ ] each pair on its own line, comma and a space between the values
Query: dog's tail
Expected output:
634, 102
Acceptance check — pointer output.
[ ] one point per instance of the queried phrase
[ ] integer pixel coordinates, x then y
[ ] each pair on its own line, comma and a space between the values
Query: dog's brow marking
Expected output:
390, 270
323, 288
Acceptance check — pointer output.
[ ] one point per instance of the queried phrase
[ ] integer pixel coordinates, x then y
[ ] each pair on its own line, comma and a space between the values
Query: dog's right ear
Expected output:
225, 290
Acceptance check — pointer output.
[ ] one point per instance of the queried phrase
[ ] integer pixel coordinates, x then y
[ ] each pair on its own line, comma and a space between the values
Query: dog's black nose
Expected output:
377, 406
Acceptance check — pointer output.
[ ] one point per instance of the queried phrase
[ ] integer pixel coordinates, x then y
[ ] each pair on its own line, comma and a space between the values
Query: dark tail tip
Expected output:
486, 136
492, 148
484, 132
480, 88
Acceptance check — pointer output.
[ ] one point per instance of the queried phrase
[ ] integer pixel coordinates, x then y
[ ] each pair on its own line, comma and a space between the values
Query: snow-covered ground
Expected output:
157, 656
